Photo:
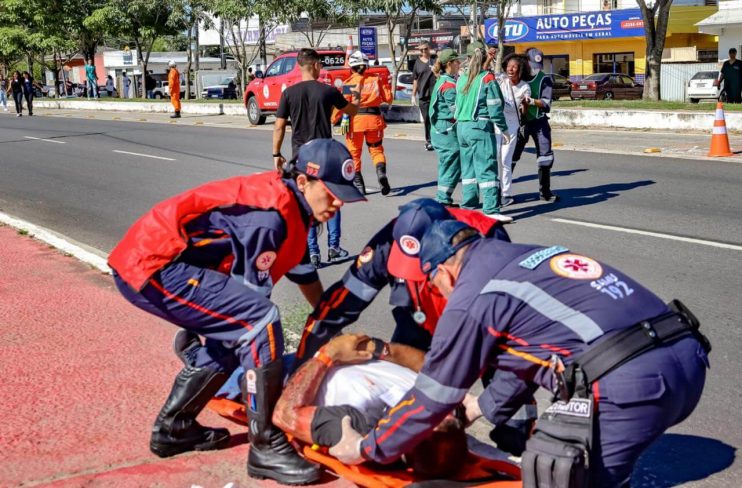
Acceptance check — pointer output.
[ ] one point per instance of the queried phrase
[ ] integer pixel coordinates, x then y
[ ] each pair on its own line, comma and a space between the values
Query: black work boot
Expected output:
176, 115
183, 342
544, 184
383, 180
271, 456
359, 183
176, 430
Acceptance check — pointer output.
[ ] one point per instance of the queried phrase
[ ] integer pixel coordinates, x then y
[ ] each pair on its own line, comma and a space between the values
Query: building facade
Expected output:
727, 25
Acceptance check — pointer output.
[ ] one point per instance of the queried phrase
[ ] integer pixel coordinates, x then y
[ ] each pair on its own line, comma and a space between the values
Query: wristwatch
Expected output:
277, 155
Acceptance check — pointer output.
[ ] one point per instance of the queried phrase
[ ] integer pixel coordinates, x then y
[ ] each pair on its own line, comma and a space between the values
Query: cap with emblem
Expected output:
448, 55
473, 47
436, 245
414, 218
330, 162
535, 58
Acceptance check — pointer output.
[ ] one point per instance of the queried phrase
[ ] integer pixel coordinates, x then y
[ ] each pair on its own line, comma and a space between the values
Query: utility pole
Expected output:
198, 61
261, 45
222, 58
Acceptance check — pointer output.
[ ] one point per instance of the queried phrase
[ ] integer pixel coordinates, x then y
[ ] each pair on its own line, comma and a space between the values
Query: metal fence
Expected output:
675, 76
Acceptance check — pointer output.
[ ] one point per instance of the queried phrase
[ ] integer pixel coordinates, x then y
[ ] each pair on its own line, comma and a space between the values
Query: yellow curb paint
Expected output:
116, 118
557, 144
651, 150
400, 134
142, 120
199, 123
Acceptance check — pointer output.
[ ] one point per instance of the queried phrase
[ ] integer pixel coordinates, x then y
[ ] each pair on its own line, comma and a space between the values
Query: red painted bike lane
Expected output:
84, 374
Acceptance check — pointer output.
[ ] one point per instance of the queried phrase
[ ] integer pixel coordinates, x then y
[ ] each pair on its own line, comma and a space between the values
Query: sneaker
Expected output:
335, 254
506, 201
502, 218
315, 259
5, 109
429, 147
19, 115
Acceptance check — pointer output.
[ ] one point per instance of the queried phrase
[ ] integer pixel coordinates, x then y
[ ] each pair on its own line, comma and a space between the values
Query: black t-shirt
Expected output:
309, 105
16, 85
149, 83
425, 78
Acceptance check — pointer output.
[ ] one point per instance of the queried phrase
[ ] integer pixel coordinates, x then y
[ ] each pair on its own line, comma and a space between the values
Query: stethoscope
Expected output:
418, 315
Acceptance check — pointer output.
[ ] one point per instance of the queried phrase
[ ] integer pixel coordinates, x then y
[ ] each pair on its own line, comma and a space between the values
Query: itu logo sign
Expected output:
514, 30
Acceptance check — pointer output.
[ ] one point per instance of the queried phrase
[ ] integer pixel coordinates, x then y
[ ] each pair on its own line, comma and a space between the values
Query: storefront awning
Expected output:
721, 19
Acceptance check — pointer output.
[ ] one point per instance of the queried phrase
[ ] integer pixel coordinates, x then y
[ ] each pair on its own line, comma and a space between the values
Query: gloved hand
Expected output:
348, 450
413, 101
506, 138
345, 124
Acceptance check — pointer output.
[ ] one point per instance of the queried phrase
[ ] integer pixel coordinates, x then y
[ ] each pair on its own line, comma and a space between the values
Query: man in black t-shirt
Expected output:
422, 85
731, 75
309, 105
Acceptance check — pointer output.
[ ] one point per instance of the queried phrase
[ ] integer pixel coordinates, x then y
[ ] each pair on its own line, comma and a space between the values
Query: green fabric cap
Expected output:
448, 55
473, 47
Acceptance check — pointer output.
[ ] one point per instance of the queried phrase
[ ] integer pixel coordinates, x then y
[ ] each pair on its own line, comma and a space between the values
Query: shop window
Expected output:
614, 63
610, 4
558, 64
708, 55
547, 7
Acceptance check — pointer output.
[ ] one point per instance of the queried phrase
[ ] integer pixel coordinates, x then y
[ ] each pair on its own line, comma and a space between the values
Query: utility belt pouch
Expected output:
679, 307
558, 453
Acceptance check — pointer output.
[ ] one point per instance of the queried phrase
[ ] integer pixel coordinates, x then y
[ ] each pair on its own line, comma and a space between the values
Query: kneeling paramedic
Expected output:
206, 260
623, 365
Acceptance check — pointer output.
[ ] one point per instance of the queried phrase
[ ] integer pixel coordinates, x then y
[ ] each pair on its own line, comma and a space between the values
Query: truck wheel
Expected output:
253, 112
608, 96
158, 96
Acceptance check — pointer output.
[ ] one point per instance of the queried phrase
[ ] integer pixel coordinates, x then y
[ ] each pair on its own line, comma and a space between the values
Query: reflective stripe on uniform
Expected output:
469, 181
488, 184
362, 290
548, 306
445, 189
303, 269
545, 159
257, 327
440, 393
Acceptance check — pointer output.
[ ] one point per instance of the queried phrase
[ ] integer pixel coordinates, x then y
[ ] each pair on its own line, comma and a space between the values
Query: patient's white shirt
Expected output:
370, 387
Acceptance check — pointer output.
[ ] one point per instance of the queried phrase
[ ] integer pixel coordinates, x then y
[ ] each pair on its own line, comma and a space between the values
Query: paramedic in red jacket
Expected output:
206, 260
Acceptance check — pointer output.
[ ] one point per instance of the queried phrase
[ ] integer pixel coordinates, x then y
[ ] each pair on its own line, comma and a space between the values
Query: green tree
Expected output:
315, 18
140, 21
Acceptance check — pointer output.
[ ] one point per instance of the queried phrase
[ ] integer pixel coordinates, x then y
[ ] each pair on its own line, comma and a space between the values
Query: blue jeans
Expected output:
92, 89
333, 235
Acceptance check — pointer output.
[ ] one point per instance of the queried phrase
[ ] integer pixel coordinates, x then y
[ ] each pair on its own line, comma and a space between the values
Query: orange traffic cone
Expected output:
719, 138
348, 50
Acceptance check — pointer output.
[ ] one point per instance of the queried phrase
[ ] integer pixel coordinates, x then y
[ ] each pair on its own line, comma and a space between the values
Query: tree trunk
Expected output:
655, 19
56, 75
197, 61
390, 25
188, 64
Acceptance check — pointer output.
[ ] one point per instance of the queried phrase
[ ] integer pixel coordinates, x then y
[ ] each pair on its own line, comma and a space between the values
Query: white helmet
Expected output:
357, 59
171, 63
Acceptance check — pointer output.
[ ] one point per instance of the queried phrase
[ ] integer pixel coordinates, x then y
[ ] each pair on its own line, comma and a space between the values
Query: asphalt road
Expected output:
79, 178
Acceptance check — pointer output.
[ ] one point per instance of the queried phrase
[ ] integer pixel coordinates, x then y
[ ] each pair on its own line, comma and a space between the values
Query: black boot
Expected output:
359, 183
271, 456
544, 184
383, 180
176, 115
183, 342
176, 430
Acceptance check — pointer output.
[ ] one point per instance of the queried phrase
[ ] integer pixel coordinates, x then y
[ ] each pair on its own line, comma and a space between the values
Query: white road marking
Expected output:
58, 241
143, 155
45, 140
691, 240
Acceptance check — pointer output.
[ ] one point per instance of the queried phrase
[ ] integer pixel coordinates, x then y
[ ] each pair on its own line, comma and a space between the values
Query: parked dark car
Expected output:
562, 87
225, 90
607, 86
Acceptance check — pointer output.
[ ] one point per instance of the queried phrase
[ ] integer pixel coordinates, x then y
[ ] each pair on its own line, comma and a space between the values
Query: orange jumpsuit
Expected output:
370, 126
173, 83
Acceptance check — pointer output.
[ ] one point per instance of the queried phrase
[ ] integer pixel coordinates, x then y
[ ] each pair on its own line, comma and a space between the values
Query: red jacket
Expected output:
158, 237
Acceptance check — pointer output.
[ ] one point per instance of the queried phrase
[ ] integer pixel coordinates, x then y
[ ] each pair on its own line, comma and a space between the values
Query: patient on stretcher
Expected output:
361, 378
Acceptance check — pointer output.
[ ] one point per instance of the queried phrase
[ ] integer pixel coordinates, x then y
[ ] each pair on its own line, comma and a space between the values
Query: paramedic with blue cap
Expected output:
207, 260
623, 365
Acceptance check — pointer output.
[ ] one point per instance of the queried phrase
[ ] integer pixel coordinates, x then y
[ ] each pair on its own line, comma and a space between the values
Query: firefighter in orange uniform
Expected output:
173, 82
369, 123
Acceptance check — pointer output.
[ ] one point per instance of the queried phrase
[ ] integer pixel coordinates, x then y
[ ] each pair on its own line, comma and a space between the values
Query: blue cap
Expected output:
437, 248
330, 162
414, 219
535, 58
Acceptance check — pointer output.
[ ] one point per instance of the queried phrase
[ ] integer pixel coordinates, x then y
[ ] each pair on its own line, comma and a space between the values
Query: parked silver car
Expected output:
703, 86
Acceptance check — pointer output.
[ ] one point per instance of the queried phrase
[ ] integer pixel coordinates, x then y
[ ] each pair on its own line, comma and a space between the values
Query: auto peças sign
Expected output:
570, 27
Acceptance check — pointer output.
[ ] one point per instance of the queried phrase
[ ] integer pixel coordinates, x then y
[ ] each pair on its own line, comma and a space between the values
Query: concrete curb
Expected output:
573, 118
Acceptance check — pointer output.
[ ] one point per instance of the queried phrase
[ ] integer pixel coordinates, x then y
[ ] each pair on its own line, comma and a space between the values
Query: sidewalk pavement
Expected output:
84, 375
687, 145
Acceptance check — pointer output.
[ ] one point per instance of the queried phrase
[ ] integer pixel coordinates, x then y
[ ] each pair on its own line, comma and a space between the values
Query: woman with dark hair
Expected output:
514, 90
28, 85
206, 260
16, 86
479, 104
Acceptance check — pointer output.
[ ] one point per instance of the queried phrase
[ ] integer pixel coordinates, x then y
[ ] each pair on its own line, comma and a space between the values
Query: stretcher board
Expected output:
475, 467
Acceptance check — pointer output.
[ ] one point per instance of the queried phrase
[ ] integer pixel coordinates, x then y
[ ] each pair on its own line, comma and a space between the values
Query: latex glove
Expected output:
506, 138
345, 124
473, 412
413, 101
348, 349
348, 450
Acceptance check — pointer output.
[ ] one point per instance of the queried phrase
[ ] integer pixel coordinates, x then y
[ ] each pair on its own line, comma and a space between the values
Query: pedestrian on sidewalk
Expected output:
173, 83
368, 124
28, 86
536, 124
514, 90
206, 260
443, 134
149, 85
479, 108
309, 106
126, 82
92, 79
110, 87
4, 92
731, 75
422, 87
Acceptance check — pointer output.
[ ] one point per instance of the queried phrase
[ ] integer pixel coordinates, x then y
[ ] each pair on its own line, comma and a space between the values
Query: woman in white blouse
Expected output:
514, 91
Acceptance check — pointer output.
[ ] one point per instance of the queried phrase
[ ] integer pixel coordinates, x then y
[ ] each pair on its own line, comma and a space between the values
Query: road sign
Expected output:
367, 41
